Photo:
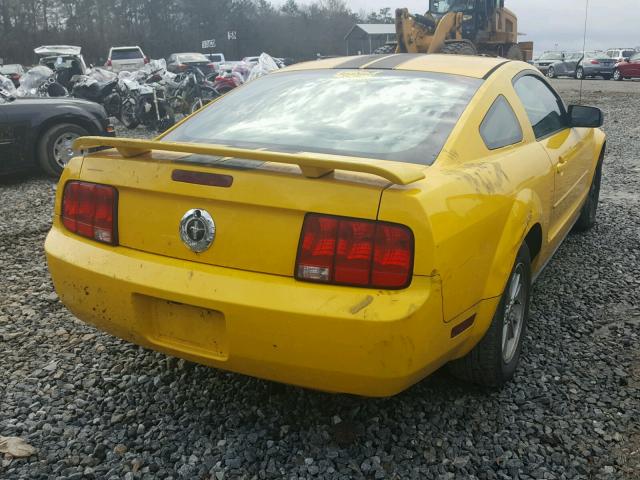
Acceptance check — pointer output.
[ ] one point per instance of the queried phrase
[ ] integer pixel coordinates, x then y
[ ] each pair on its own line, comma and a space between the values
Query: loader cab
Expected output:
477, 14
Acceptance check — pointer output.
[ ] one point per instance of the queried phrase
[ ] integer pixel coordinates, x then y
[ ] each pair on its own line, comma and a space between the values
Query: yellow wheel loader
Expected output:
463, 27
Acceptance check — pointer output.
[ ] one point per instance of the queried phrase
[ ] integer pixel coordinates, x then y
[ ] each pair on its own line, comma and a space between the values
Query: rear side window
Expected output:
544, 108
500, 126
126, 54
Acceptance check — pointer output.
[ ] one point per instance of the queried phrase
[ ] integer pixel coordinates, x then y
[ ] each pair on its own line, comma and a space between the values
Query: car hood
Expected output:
58, 50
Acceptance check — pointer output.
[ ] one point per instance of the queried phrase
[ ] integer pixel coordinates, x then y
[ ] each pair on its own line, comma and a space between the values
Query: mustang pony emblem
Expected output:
197, 230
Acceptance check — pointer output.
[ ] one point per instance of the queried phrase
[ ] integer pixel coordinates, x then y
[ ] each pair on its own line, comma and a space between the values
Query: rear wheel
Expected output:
580, 73
458, 47
55, 148
493, 361
587, 218
551, 73
617, 75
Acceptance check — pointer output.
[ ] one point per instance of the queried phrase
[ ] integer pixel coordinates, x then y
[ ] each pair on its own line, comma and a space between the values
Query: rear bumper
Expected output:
340, 339
598, 70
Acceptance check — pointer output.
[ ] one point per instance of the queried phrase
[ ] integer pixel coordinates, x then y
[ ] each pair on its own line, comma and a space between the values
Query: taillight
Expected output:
109, 64
595, 62
146, 60
348, 251
90, 210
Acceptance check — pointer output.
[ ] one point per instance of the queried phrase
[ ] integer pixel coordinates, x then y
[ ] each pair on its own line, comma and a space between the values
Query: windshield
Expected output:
392, 115
635, 57
128, 54
444, 6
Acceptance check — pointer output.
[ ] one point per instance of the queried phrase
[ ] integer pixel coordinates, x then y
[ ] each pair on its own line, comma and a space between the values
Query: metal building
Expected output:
364, 38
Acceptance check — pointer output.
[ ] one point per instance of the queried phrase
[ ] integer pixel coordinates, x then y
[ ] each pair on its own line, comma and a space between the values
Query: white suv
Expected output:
621, 54
126, 58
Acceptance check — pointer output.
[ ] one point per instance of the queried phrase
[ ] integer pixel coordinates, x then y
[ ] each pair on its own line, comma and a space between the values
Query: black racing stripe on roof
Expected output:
493, 70
394, 61
359, 61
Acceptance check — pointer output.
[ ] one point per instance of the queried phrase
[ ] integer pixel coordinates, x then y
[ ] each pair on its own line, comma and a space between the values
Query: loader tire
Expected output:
457, 47
514, 53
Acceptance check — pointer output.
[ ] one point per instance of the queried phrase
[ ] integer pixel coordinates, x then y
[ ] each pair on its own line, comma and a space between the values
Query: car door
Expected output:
13, 137
569, 149
571, 63
634, 66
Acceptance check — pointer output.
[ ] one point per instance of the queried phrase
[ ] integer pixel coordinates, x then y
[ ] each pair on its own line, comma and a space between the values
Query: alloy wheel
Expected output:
514, 313
63, 150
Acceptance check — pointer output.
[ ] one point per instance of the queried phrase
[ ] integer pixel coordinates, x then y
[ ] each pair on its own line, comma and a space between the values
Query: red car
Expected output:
628, 69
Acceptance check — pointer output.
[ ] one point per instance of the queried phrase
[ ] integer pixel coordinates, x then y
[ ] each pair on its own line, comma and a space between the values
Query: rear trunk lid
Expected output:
258, 210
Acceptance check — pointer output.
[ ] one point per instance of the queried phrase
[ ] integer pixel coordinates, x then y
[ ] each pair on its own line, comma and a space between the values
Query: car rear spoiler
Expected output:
313, 165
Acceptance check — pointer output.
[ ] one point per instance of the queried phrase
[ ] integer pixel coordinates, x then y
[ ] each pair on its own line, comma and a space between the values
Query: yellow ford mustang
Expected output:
349, 225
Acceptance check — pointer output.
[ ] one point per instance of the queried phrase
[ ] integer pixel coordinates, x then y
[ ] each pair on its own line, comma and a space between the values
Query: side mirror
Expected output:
588, 117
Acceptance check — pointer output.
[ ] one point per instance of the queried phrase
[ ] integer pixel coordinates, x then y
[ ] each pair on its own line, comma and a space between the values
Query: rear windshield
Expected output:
215, 58
392, 115
7, 69
192, 57
551, 56
126, 54
628, 53
597, 56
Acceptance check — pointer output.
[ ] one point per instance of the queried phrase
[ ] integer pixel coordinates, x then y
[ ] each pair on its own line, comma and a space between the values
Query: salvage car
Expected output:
182, 62
39, 132
596, 64
367, 221
13, 71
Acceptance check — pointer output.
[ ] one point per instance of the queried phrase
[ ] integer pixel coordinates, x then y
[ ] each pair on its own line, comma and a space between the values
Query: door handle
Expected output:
562, 164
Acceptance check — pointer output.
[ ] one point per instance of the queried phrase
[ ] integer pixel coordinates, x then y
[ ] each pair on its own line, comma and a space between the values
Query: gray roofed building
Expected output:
367, 37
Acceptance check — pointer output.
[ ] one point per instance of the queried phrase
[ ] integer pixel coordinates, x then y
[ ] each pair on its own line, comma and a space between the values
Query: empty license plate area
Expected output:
183, 328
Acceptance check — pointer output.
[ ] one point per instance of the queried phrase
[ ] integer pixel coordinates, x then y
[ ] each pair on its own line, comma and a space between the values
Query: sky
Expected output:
612, 23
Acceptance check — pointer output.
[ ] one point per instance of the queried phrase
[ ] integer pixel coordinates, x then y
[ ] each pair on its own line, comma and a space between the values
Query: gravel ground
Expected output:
96, 407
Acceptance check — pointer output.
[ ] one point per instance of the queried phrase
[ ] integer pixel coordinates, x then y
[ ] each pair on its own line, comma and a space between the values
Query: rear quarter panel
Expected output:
476, 206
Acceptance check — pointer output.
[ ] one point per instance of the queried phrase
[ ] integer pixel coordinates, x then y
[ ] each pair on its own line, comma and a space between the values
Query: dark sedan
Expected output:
39, 132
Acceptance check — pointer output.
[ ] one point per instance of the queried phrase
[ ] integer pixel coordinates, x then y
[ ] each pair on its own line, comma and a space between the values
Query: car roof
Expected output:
470, 66
126, 48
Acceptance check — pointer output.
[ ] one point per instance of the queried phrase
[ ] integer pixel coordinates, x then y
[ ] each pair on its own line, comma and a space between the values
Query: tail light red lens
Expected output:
109, 64
90, 210
595, 62
347, 251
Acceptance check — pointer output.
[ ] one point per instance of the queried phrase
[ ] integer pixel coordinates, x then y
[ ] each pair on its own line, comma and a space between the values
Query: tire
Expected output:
606, 77
580, 73
588, 214
494, 360
514, 52
551, 73
617, 75
456, 47
128, 115
167, 121
54, 147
